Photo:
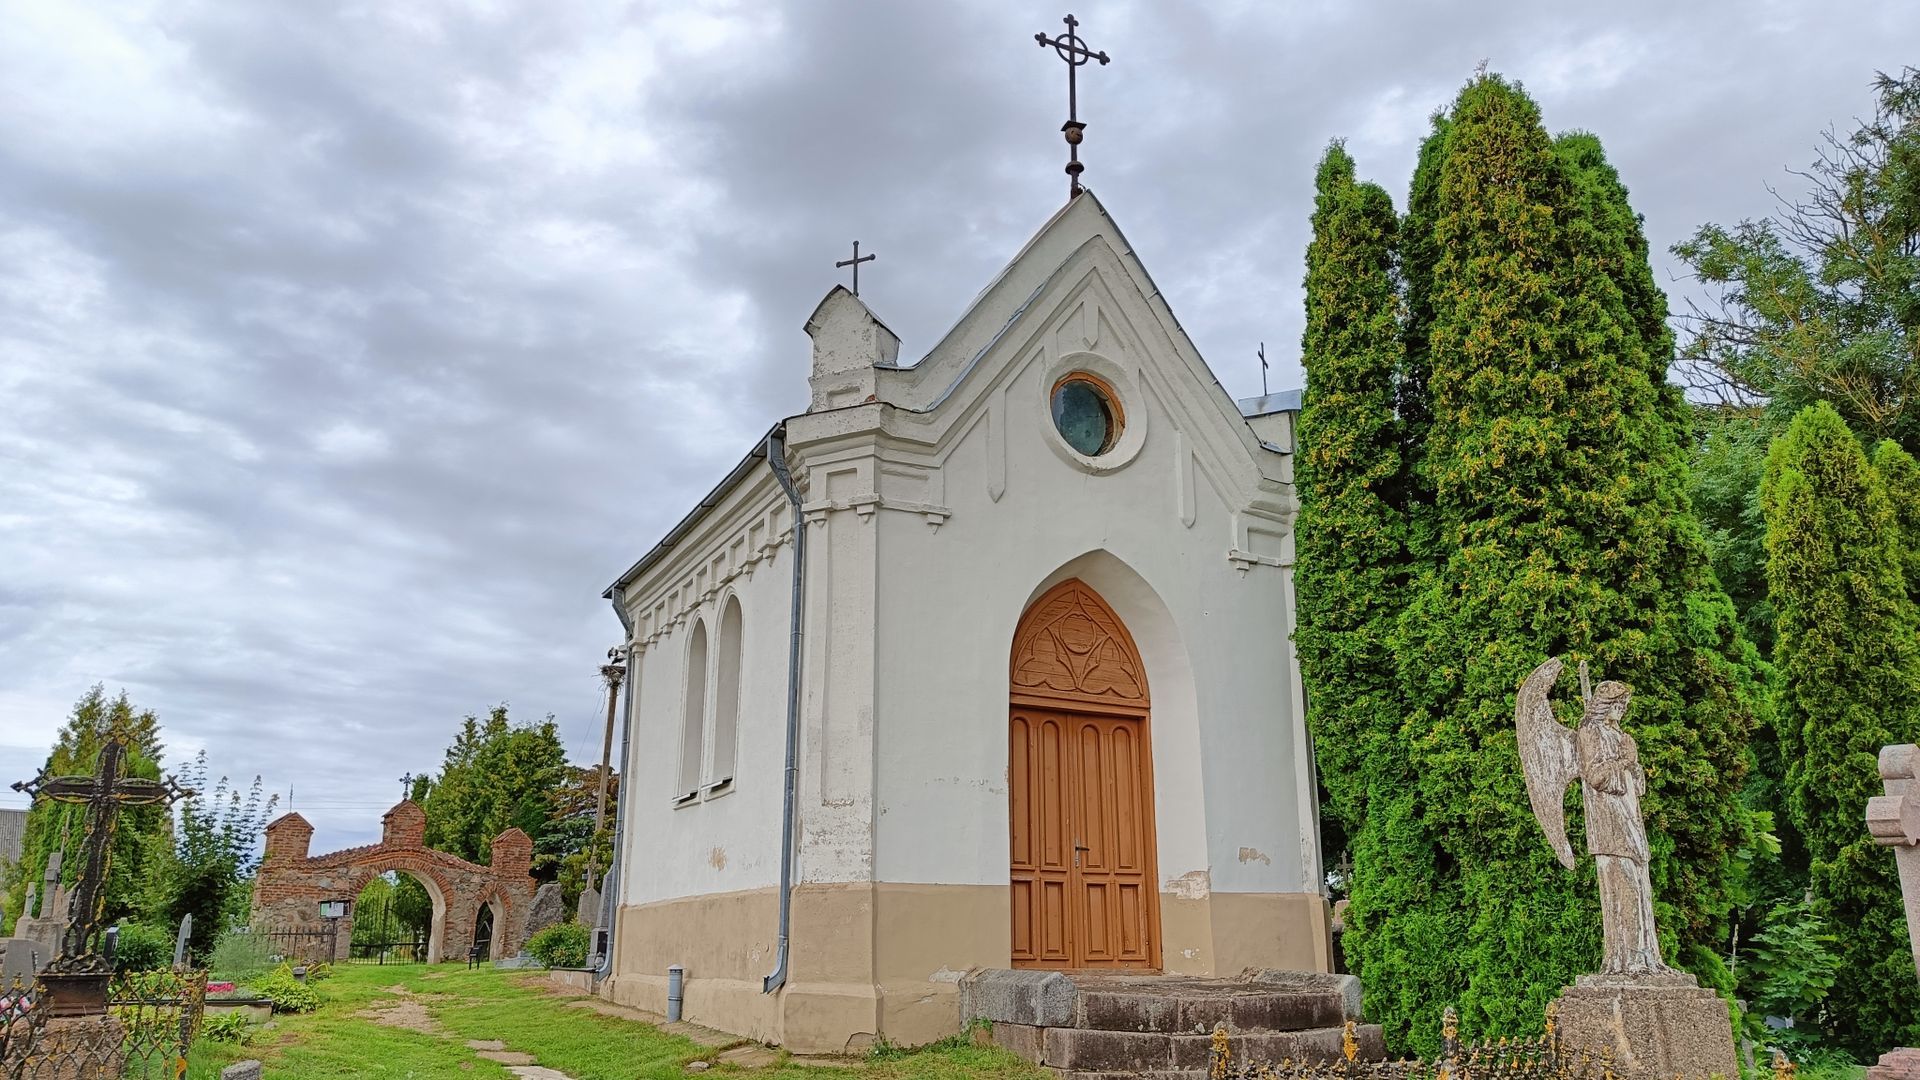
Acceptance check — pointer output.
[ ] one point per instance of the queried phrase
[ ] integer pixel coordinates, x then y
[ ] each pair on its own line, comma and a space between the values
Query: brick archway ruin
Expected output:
291, 884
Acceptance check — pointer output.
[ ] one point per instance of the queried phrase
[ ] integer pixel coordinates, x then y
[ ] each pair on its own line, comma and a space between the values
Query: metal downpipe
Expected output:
610, 881
777, 459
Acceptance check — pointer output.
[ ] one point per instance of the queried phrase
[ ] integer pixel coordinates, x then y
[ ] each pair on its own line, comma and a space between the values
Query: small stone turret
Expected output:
287, 838
512, 855
404, 826
848, 340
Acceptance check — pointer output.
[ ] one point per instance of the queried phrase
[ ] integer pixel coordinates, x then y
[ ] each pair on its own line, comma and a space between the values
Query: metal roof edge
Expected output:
686, 524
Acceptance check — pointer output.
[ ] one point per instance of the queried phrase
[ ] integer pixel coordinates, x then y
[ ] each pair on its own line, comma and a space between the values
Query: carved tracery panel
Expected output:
1071, 647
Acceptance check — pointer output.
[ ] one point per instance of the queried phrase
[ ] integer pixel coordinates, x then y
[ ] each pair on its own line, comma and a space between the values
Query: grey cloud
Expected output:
344, 357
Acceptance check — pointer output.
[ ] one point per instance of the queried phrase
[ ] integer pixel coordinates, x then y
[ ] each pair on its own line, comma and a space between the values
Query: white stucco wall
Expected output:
939, 503
728, 840
1153, 538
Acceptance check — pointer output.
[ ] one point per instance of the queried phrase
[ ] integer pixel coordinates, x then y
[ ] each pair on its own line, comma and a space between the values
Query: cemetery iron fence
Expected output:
314, 946
146, 1033
1547, 1057
409, 951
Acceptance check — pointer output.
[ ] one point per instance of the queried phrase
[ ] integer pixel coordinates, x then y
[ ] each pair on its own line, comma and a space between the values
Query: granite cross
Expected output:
1894, 821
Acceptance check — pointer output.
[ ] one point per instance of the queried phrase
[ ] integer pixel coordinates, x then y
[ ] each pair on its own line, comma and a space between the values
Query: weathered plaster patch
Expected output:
717, 858
1248, 855
1192, 885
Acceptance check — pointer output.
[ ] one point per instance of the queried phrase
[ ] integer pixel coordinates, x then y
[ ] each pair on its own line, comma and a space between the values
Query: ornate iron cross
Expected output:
103, 794
855, 263
1075, 52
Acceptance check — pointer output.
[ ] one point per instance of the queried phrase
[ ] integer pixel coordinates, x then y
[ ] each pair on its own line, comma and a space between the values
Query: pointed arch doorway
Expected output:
1080, 787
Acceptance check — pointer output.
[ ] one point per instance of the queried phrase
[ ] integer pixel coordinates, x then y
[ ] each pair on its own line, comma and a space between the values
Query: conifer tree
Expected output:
1901, 475
1849, 683
1418, 253
1351, 554
1352, 559
1619, 245
144, 834
1559, 481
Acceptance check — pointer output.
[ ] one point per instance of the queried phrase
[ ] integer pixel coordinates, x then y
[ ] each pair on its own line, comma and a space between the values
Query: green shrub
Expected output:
142, 948
319, 972
563, 945
239, 956
232, 1027
287, 993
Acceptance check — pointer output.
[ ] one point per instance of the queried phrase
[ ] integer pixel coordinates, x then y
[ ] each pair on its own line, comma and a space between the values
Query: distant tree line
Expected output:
497, 775
197, 859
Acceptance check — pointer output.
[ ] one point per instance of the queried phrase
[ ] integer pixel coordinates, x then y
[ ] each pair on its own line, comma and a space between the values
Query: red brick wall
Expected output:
291, 884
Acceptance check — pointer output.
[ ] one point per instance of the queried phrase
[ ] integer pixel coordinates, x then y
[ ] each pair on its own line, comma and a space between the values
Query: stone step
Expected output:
1270, 1001
1137, 1053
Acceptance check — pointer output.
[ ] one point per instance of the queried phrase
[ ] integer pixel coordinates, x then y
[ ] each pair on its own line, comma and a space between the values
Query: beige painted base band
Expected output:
868, 960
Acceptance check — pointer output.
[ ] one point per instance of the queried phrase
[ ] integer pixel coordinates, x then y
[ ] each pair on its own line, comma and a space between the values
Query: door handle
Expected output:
1078, 847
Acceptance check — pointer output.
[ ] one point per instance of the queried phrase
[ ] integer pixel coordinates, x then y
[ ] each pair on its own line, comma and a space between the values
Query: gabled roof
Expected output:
1080, 251
1080, 232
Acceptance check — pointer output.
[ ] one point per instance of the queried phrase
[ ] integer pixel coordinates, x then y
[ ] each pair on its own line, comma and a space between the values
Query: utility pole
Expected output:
614, 673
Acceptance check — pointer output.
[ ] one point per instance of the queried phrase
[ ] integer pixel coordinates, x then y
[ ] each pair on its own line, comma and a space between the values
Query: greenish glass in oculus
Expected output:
1085, 416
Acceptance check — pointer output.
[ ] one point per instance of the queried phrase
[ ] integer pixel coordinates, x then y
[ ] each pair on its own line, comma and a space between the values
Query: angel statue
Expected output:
1602, 756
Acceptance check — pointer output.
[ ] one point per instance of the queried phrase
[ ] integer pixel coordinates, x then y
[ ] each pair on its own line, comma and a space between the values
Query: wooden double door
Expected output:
1080, 779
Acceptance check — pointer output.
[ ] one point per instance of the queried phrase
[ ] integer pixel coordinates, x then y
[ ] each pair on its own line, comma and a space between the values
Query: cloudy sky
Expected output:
347, 351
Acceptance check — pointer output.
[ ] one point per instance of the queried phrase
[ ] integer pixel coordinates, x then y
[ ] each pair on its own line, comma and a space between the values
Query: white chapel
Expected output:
983, 661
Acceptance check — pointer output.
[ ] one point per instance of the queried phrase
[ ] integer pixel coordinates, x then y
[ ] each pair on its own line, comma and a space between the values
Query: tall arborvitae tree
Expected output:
1849, 684
1353, 566
1559, 479
144, 834
1620, 250
1419, 251
1351, 548
1901, 475
496, 775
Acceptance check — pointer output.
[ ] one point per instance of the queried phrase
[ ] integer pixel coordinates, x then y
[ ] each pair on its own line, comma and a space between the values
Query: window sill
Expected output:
707, 793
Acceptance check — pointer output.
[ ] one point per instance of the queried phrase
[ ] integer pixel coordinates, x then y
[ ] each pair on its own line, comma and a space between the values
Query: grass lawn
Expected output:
431, 1012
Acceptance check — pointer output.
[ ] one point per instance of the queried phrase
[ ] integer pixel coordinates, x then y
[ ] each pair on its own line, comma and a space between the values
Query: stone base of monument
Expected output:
1901, 1063
1657, 1026
76, 1048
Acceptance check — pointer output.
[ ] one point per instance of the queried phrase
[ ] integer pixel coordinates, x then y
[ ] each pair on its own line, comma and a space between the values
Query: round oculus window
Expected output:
1086, 414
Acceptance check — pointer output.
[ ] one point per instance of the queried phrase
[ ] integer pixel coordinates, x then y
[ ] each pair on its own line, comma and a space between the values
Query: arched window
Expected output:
692, 733
726, 694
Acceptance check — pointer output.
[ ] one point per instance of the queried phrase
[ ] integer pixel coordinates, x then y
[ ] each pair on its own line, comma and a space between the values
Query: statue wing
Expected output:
1547, 756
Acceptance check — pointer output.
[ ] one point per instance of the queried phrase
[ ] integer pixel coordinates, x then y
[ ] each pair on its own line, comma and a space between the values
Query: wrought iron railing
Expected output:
312, 946
1547, 1057
388, 952
146, 1033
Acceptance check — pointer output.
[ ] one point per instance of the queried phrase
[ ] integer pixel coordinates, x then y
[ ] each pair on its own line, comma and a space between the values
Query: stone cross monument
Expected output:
1894, 821
1658, 1022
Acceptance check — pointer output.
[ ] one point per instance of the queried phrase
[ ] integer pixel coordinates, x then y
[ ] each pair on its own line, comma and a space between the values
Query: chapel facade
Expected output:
1047, 709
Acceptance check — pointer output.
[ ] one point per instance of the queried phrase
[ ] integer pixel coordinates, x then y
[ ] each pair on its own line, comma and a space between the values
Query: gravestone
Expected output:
48, 928
181, 940
549, 908
588, 913
241, 1070
20, 960
1894, 821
